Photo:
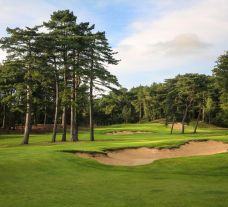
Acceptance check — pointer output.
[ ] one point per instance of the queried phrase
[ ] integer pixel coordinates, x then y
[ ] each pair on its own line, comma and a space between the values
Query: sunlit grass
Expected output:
41, 174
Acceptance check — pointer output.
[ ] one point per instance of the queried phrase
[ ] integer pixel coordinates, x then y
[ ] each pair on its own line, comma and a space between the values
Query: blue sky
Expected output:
155, 39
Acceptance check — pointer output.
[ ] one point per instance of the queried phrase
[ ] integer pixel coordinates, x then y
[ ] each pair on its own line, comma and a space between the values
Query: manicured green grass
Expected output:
41, 175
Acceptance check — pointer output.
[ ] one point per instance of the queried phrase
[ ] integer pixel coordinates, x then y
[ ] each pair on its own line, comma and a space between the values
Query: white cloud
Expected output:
24, 13
170, 36
2, 56
182, 44
177, 39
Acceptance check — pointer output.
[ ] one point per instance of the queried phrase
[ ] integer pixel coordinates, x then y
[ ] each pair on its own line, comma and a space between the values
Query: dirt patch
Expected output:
127, 132
144, 155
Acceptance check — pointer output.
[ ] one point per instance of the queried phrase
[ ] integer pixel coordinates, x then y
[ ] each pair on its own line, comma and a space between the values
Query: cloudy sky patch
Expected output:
155, 39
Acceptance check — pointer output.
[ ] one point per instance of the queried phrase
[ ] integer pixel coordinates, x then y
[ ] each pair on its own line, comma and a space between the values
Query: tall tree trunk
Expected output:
76, 110
173, 122
27, 117
203, 114
64, 108
91, 123
203, 108
45, 112
76, 126
62, 118
197, 121
64, 125
4, 117
75, 85
183, 120
72, 121
56, 109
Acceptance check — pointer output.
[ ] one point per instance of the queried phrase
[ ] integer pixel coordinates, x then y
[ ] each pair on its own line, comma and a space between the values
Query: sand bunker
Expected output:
177, 126
127, 132
144, 155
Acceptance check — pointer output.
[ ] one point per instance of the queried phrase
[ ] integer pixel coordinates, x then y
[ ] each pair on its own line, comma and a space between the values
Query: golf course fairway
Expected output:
45, 174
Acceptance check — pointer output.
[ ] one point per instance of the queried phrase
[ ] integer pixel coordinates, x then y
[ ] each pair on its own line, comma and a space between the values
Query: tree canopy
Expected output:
58, 77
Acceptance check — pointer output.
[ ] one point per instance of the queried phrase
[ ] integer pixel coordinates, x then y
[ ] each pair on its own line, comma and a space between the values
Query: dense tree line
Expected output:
51, 76
181, 99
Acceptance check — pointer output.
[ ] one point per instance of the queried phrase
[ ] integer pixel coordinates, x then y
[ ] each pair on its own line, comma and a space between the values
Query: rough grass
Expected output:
40, 174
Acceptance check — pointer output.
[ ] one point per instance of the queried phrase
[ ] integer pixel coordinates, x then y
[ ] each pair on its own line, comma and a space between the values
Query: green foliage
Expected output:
220, 73
60, 64
165, 100
69, 61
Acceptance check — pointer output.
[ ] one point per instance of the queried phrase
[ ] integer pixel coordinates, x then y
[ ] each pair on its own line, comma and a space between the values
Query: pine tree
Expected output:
99, 54
22, 47
61, 26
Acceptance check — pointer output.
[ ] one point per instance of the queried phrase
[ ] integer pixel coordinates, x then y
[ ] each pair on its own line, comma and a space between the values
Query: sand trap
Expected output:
127, 132
144, 155
177, 126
